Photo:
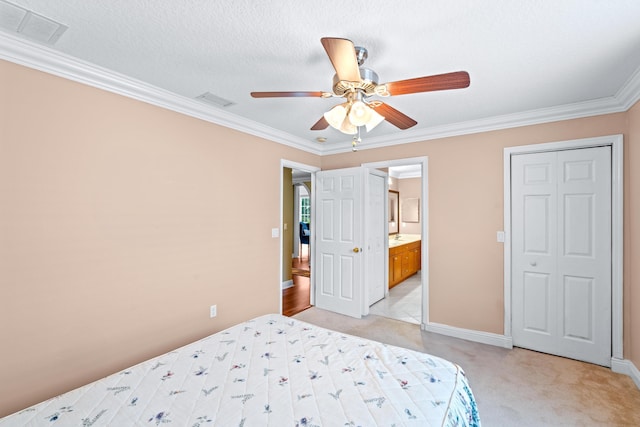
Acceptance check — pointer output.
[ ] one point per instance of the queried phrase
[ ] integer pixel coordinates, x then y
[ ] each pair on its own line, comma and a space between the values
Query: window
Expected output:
305, 209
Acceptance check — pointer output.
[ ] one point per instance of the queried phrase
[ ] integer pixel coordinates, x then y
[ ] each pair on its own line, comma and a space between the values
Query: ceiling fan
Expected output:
357, 84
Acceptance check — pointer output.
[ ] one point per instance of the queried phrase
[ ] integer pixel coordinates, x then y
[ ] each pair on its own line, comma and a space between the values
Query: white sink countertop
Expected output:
403, 239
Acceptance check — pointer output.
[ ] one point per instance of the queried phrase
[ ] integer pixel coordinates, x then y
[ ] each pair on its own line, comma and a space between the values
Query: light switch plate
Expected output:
501, 236
275, 232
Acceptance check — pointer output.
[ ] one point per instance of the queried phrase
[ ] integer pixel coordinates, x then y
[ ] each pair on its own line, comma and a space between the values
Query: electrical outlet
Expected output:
213, 311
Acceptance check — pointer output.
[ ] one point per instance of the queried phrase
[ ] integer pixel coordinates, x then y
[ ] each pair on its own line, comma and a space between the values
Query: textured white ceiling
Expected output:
522, 56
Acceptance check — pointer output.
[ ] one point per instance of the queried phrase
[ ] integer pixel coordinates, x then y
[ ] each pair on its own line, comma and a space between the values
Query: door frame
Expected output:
617, 231
424, 211
284, 163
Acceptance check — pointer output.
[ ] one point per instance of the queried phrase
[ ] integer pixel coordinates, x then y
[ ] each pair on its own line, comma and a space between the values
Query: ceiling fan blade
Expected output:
289, 94
320, 124
393, 116
455, 80
342, 54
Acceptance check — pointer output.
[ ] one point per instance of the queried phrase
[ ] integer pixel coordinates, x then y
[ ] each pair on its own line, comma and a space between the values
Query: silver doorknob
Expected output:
533, 263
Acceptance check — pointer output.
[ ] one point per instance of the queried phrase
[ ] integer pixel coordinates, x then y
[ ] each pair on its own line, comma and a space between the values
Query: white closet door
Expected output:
561, 243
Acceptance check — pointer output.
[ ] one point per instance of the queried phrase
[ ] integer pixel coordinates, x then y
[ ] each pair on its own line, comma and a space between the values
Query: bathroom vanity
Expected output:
404, 257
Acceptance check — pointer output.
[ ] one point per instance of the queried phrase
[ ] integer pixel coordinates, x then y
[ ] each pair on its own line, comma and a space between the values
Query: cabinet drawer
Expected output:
413, 245
396, 250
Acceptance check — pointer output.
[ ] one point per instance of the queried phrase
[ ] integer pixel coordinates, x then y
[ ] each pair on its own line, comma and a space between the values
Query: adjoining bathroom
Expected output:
404, 300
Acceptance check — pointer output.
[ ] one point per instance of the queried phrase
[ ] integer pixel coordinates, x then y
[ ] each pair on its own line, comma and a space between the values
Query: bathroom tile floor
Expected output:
403, 302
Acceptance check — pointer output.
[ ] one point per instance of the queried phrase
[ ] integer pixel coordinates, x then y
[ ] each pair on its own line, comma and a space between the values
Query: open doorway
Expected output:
297, 297
296, 237
406, 296
287, 254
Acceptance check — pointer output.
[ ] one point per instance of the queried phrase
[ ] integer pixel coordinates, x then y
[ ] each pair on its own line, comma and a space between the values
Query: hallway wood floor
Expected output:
297, 298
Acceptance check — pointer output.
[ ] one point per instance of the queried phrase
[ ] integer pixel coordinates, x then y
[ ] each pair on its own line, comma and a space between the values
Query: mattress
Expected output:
270, 371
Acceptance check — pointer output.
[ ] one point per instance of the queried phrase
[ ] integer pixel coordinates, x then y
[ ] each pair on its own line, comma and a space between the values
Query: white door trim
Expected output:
617, 232
424, 210
312, 170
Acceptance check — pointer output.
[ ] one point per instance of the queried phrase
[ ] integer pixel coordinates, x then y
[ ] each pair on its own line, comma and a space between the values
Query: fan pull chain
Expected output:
356, 140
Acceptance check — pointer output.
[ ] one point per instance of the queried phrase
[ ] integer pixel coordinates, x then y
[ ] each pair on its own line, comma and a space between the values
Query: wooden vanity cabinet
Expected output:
404, 261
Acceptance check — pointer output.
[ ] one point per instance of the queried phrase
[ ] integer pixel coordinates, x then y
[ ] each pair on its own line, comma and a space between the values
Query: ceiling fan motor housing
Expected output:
367, 84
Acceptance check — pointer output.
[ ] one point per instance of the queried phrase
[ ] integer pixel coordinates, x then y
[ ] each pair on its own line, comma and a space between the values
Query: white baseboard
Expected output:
624, 366
287, 284
621, 366
469, 335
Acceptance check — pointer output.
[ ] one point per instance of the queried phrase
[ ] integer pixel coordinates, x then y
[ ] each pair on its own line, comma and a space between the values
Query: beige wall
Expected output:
118, 230
466, 210
120, 226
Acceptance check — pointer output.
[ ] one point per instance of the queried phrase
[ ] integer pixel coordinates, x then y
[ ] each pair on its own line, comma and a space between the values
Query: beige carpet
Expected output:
512, 387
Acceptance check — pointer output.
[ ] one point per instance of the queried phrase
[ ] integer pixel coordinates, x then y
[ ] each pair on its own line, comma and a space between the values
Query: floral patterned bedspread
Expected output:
270, 371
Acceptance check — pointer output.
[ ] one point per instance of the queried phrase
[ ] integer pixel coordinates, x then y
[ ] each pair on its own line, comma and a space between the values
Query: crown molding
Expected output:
43, 58
30, 54
623, 100
629, 93
544, 115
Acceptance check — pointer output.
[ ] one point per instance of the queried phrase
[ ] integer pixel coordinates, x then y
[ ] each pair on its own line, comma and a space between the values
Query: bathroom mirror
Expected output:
411, 210
394, 212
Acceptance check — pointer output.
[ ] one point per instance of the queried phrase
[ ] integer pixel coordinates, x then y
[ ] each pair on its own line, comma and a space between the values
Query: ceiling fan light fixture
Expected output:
349, 116
336, 116
374, 121
348, 127
360, 113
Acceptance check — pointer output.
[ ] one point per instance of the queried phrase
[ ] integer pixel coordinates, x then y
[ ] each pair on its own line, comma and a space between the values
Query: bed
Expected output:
270, 371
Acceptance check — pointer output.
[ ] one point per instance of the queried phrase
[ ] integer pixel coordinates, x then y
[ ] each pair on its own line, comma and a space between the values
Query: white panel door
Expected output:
339, 241
534, 232
376, 237
584, 254
561, 242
